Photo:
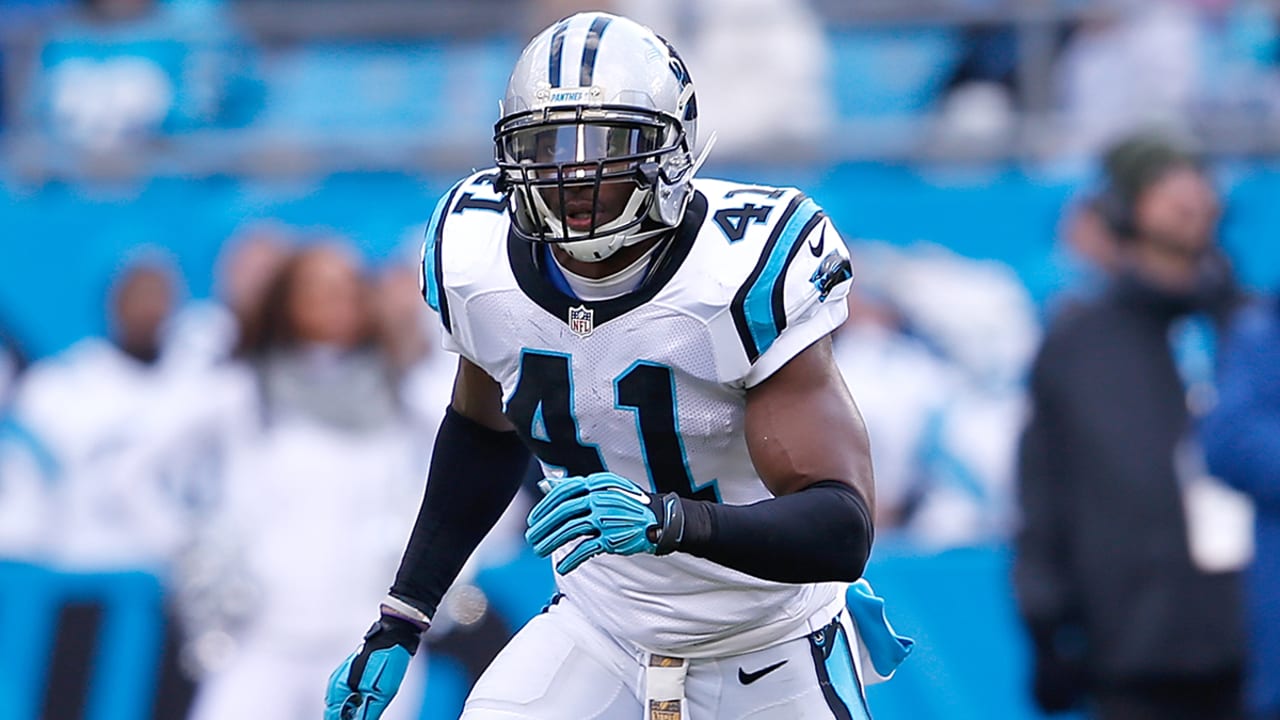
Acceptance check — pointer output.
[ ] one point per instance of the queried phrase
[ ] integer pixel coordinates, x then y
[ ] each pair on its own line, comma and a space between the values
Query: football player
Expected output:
661, 344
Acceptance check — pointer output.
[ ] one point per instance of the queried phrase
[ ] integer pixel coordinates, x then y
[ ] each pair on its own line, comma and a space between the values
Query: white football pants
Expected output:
561, 667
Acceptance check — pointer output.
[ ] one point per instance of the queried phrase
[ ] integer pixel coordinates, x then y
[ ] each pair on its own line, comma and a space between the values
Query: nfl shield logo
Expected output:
580, 321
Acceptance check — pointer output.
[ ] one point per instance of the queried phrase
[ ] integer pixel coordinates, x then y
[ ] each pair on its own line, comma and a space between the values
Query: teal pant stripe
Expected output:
844, 678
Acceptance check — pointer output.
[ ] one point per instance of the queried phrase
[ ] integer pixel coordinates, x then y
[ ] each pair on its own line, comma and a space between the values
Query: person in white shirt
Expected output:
317, 502
104, 411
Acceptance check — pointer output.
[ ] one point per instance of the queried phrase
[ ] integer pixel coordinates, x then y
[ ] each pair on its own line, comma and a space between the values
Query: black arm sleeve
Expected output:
821, 533
475, 472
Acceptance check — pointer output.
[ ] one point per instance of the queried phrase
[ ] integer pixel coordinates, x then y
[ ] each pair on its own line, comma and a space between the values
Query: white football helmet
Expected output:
596, 99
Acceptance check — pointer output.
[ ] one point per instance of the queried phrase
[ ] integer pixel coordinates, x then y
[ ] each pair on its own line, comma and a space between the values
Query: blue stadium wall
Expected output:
60, 243
969, 662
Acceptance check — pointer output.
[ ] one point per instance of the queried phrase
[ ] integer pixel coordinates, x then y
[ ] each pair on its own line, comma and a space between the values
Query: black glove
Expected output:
366, 681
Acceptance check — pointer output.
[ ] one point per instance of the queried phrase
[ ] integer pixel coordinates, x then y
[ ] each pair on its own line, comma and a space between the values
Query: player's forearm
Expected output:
475, 472
821, 533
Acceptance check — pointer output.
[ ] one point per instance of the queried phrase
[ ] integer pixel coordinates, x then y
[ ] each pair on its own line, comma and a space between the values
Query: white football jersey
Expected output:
652, 385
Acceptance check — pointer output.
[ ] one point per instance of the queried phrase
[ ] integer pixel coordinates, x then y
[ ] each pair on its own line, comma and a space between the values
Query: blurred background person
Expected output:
111, 477
903, 388
1242, 442
24, 466
733, 48
1134, 66
981, 321
325, 487
945, 405
120, 73
940, 344
1127, 614
1171, 63
114, 505
205, 333
12, 362
409, 333
1087, 248
953, 132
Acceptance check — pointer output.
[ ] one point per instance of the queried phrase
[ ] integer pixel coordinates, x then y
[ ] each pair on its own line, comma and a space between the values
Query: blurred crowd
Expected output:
1203, 68
261, 454
228, 445
103, 76
263, 451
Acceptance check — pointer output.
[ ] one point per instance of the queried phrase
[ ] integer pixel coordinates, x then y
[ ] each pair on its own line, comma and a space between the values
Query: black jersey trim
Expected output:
738, 307
822, 645
538, 288
780, 282
437, 243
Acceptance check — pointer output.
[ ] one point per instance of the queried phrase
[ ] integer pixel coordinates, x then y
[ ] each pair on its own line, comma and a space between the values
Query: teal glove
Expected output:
610, 512
362, 685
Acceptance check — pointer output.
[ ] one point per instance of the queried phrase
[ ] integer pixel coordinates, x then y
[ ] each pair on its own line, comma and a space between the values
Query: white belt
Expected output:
664, 688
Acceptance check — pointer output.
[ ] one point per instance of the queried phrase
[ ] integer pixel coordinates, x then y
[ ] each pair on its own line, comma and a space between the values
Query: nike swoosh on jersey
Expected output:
816, 250
746, 678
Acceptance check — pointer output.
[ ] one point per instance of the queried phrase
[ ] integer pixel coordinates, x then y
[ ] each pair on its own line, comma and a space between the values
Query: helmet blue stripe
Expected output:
590, 48
557, 50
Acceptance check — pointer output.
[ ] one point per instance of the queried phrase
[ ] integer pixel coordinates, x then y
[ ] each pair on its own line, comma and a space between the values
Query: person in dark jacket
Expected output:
1241, 438
1123, 620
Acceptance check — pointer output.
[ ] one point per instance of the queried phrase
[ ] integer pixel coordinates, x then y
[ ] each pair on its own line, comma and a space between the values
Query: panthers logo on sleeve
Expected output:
789, 268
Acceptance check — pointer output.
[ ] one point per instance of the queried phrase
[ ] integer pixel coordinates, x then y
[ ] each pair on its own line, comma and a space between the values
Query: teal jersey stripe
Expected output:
430, 250
758, 303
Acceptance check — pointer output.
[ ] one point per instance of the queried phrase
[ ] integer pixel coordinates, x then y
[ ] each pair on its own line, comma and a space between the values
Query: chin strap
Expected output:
702, 156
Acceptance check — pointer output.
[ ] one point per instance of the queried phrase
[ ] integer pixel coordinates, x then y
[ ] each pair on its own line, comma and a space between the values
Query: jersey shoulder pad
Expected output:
737, 224
780, 263
467, 227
